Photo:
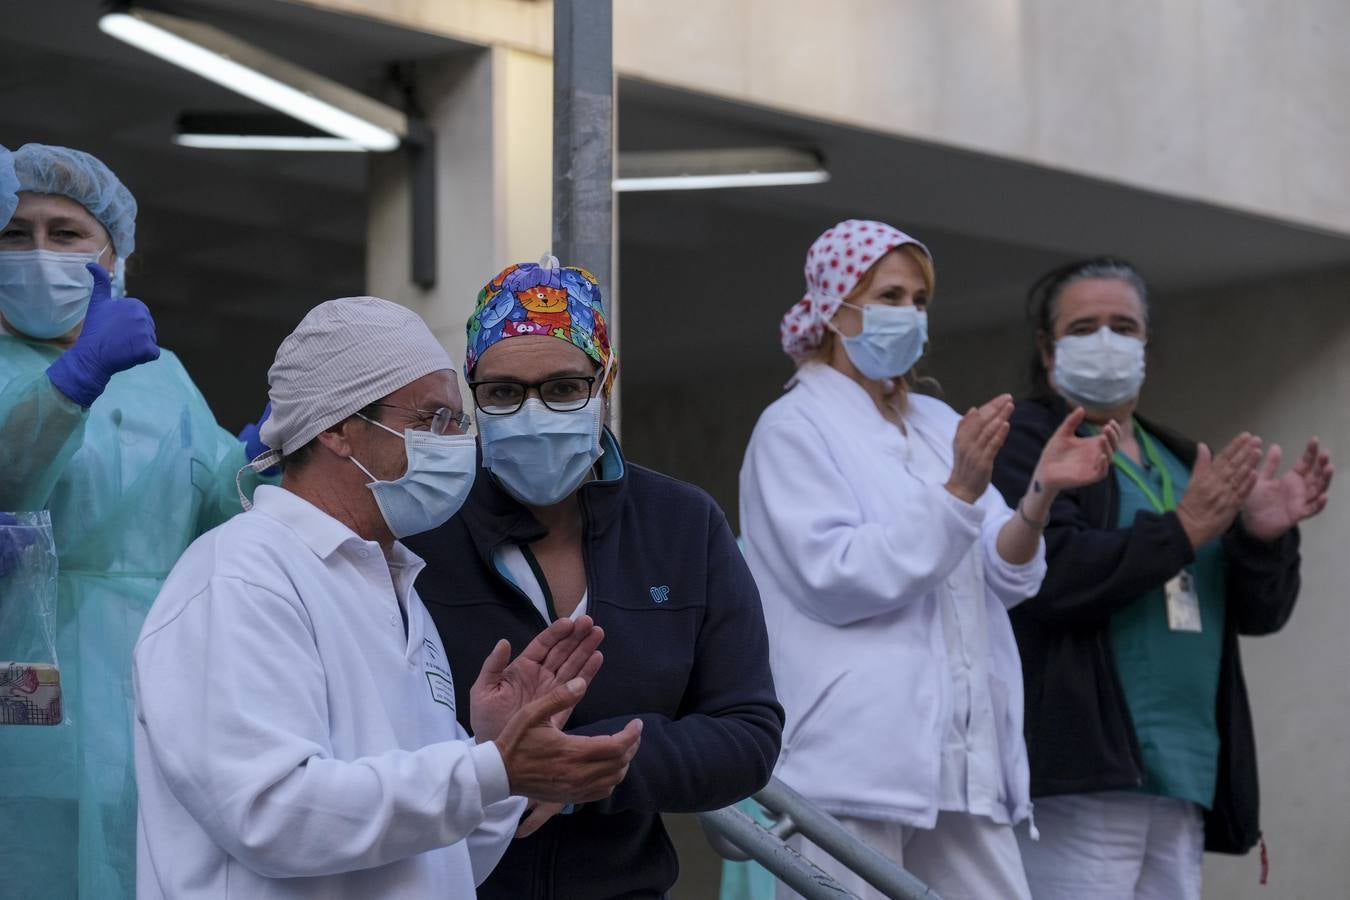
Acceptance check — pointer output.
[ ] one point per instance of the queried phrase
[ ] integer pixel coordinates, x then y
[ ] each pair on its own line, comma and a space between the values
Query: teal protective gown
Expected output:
129, 482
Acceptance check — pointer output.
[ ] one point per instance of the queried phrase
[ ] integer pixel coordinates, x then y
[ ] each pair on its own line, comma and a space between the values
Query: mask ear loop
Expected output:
599, 419
397, 434
357, 462
604, 373
828, 323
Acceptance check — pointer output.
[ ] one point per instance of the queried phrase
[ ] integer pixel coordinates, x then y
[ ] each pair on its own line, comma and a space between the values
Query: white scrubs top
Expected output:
292, 741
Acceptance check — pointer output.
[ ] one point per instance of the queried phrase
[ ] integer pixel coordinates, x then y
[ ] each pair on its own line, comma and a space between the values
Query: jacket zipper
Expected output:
586, 556
585, 563
521, 595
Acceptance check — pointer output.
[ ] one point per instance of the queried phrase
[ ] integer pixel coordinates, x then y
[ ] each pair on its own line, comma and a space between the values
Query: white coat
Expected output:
856, 553
291, 742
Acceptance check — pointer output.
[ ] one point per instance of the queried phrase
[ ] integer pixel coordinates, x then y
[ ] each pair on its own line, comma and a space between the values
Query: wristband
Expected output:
1039, 526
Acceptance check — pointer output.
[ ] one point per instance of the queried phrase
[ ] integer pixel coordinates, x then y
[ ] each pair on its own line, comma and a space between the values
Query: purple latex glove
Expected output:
13, 541
251, 437
117, 335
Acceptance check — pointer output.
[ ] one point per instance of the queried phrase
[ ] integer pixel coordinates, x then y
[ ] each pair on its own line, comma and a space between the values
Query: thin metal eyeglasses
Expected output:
502, 398
442, 420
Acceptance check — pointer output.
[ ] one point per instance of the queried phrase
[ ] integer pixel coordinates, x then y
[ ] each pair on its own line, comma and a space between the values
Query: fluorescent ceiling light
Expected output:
270, 80
707, 182
695, 170
267, 142
255, 131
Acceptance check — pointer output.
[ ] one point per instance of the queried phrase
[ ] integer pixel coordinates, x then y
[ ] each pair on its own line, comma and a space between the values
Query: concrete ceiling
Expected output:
993, 224
293, 222
234, 247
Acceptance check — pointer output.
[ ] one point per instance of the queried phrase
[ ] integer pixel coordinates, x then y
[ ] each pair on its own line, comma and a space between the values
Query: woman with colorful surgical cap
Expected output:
558, 525
1143, 754
104, 429
886, 564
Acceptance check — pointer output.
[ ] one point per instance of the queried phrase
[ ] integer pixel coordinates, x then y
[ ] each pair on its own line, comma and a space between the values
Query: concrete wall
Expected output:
1273, 358
1237, 103
494, 198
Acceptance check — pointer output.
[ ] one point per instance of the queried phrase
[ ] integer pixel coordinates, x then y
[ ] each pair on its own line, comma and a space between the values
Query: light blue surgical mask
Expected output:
539, 455
441, 469
891, 341
45, 293
1100, 370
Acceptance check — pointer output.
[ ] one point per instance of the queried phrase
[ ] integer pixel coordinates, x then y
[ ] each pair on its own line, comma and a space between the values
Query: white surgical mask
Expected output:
540, 455
891, 341
45, 293
441, 469
1099, 370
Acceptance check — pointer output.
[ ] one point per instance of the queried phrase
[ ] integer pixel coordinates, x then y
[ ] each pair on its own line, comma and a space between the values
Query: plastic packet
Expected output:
30, 674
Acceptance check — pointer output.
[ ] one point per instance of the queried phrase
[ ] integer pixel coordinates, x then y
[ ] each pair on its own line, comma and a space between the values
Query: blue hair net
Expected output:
44, 169
9, 186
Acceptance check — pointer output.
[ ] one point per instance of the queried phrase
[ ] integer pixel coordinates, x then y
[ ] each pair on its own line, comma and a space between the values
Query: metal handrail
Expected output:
732, 827
797, 814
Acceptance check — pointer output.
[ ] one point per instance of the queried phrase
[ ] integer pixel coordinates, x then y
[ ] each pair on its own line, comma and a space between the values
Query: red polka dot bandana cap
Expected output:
835, 264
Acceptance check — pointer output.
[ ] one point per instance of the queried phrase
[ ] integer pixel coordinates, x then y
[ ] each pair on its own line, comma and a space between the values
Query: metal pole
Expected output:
790, 867
583, 123
823, 830
421, 149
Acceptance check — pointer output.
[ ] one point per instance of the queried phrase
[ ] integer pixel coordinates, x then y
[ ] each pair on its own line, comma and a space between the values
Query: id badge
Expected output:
1183, 603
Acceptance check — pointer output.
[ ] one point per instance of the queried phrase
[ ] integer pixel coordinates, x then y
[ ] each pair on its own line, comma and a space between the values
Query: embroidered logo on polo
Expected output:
440, 681
660, 594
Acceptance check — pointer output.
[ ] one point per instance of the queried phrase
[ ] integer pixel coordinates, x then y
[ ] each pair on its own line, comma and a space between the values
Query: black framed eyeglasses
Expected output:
502, 398
442, 421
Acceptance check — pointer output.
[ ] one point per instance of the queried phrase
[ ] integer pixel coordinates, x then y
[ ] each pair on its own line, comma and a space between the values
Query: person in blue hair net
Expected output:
9, 185
103, 428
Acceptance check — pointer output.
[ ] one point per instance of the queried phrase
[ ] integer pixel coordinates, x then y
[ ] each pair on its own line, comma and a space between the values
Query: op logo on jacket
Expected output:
660, 594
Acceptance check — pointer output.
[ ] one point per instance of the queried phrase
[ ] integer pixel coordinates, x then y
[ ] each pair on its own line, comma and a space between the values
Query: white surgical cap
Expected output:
343, 356
9, 187
44, 169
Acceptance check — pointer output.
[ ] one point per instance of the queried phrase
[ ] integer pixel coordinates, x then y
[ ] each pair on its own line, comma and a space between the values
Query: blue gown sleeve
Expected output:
40, 430
215, 464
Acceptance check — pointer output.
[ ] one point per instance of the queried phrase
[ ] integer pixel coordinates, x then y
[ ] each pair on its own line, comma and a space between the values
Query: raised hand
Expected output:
543, 763
251, 434
1277, 503
117, 335
1219, 487
979, 436
558, 654
1068, 460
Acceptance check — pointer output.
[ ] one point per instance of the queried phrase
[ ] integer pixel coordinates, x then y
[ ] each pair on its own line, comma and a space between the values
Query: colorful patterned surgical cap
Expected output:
544, 298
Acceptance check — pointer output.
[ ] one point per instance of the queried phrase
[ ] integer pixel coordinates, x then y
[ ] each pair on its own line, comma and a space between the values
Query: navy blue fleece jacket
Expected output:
685, 650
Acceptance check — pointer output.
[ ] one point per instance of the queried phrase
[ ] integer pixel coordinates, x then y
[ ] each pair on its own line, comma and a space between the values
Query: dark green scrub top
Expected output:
1170, 678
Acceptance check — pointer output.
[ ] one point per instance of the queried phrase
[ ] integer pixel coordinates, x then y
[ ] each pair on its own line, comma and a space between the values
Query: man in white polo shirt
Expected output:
295, 724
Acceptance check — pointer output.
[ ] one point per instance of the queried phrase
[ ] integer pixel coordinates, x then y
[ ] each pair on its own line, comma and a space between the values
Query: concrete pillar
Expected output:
492, 113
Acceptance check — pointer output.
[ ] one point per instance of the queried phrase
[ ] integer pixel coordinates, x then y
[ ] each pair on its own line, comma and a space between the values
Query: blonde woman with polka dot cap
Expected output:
886, 565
